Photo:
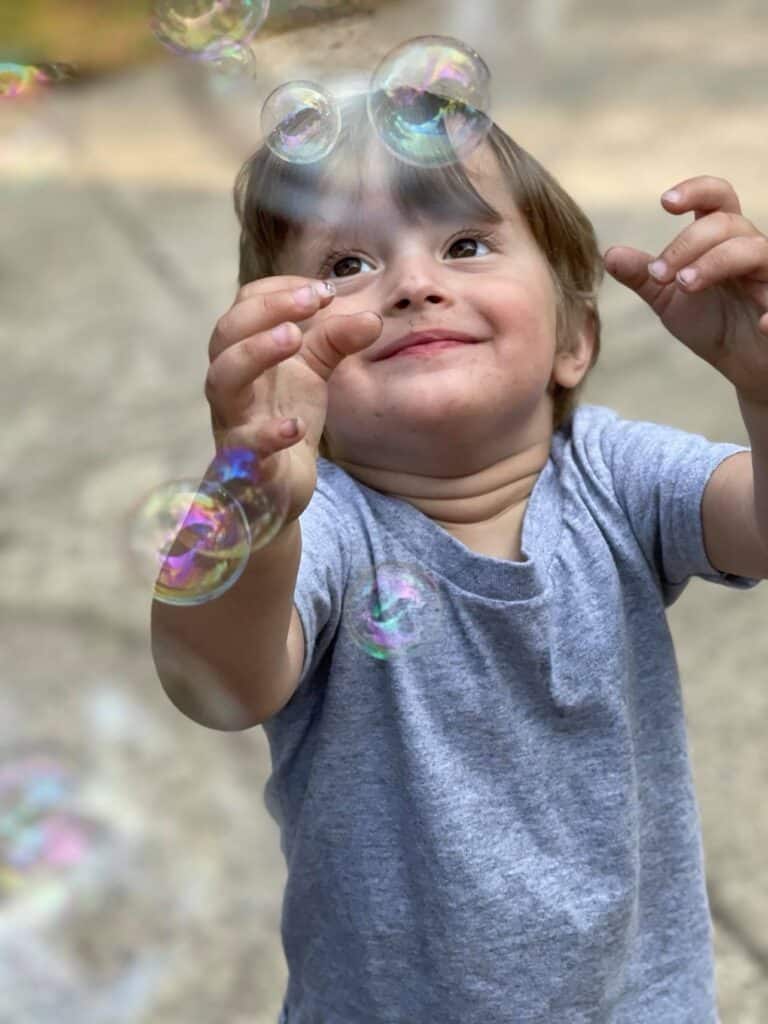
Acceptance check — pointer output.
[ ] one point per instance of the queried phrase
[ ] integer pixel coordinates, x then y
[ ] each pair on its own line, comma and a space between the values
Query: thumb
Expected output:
630, 267
328, 342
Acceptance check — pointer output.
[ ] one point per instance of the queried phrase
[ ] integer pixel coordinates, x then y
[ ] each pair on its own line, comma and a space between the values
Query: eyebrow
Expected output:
323, 238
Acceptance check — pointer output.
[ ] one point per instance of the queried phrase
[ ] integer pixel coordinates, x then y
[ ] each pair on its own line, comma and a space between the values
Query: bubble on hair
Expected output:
429, 100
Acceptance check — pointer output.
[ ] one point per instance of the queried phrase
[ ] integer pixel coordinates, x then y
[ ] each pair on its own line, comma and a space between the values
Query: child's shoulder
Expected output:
590, 422
589, 416
587, 425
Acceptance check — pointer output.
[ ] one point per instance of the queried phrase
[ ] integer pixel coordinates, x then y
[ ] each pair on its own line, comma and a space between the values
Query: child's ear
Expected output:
572, 364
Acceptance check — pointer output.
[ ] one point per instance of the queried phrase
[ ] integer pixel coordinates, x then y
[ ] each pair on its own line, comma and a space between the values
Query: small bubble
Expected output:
227, 69
390, 608
300, 122
207, 29
20, 80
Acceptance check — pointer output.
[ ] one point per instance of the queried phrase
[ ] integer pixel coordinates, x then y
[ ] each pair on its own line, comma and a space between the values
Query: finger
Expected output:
328, 342
697, 239
265, 438
735, 258
704, 194
253, 314
630, 267
279, 282
234, 370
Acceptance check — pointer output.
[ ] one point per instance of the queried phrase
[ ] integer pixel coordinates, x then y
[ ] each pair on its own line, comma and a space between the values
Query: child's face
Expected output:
450, 412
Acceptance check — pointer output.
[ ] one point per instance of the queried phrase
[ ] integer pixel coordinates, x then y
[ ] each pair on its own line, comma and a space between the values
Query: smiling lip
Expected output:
428, 349
424, 338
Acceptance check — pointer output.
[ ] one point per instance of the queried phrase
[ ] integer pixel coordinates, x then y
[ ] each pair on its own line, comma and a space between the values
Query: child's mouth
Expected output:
426, 348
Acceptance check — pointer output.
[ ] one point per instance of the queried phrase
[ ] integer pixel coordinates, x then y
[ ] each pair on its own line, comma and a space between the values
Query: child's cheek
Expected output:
527, 305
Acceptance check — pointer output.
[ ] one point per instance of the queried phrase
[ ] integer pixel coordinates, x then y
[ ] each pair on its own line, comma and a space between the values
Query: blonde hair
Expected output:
273, 196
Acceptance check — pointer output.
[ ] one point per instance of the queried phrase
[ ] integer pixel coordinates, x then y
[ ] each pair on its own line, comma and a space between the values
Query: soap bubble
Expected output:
300, 122
38, 832
27, 80
21, 80
207, 29
259, 488
239, 62
18, 80
429, 99
191, 539
231, 74
390, 607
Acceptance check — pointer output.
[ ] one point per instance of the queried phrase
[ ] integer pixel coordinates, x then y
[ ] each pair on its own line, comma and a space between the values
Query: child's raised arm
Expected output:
232, 662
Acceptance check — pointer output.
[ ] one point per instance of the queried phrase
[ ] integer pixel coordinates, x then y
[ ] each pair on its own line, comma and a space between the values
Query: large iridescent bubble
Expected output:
300, 122
207, 29
429, 100
191, 538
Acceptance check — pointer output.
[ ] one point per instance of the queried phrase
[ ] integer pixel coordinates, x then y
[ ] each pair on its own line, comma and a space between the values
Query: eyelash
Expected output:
488, 237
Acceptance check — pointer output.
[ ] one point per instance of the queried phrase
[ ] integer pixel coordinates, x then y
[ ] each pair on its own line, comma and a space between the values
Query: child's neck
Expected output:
468, 506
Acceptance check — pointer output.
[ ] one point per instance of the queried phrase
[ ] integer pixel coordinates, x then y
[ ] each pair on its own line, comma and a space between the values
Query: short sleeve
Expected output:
659, 476
323, 569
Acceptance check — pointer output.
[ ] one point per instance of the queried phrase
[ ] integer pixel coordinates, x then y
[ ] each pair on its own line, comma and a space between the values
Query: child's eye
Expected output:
467, 246
347, 266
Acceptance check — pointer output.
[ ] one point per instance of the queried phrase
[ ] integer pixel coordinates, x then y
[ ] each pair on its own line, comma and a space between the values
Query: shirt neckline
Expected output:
427, 545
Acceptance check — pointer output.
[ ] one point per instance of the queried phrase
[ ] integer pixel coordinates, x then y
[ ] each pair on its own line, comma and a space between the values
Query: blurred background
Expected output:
140, 875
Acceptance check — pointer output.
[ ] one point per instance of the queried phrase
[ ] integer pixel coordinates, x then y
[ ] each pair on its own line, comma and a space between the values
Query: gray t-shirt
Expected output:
482, 781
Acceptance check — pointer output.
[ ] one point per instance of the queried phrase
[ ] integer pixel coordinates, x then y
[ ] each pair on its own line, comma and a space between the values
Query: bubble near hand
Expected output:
207, 29
300, 122
429, 100
259, 488
192, 540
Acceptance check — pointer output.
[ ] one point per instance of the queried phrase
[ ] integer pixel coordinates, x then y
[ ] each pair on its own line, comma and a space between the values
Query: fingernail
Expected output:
305, 296
657, 269
673, 196
325, 288
688, 276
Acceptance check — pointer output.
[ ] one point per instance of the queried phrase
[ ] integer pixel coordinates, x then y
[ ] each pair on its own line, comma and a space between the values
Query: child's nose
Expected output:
418, 288
418, 299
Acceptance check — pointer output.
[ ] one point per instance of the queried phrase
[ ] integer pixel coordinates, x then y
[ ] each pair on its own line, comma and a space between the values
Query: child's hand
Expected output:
722, 315
253, 382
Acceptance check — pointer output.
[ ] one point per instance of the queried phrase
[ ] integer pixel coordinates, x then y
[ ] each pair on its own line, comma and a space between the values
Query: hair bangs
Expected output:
275, 198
